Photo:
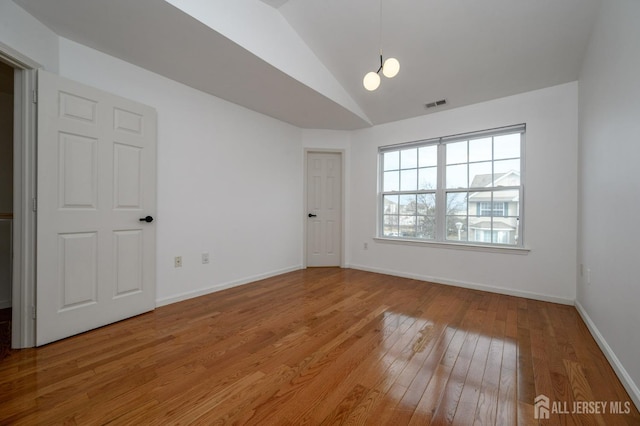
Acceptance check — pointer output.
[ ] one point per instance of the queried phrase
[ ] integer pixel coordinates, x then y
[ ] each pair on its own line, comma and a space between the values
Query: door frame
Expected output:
343, 225
23, 330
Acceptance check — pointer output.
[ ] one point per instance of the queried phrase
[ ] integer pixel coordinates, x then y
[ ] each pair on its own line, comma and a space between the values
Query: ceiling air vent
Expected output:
435, 104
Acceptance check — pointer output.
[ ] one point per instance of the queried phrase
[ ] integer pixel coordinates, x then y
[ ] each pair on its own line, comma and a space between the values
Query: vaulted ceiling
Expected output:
302, 61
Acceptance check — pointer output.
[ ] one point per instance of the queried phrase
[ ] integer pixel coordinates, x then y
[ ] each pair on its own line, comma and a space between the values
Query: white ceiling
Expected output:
302, 61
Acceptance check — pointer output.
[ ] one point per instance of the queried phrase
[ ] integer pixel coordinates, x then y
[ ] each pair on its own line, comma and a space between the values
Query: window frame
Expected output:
441, 191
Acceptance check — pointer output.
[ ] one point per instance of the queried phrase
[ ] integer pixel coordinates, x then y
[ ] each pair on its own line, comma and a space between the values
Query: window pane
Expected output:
390, 226
508, 201
480, 229
480, 150
457, 176
428, 156
506, 146
426, 204
426, 227
507, 173
428, 178
505, 230
409, 158
409, 180
391, 204
391, 181
390, 220
457, 228
476, 203
390, 231
408, 204
407, 226
457, 203
457, 152
480, 175
391, 160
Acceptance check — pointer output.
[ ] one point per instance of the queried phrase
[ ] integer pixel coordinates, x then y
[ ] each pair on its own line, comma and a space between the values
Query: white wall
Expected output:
229, 179
550, 201
610, 187
28, 36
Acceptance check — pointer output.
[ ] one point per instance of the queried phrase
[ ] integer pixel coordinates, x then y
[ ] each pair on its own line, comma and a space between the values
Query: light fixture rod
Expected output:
389, 68
380, 33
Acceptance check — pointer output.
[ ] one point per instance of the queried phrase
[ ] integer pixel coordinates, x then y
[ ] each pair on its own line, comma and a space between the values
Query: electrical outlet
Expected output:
205, 258
177, 261
366, 246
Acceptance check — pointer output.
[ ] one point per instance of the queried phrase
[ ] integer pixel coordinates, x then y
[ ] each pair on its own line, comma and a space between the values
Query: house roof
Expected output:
482, 181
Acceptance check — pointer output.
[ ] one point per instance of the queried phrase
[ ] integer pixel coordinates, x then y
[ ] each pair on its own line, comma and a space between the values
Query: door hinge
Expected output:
35, 96
34, 313
34, 204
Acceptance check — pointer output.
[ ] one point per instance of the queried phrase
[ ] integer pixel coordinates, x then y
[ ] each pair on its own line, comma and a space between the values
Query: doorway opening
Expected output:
17, 196
7, 84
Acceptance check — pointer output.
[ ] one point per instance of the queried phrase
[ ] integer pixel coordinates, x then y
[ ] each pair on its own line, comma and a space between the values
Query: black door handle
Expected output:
313, 215
147, 219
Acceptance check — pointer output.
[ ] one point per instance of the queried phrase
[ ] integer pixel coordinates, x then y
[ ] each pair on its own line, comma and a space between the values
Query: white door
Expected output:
324, 209
96, 180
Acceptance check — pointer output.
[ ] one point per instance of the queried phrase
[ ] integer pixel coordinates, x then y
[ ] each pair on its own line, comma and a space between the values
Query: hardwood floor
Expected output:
320, 347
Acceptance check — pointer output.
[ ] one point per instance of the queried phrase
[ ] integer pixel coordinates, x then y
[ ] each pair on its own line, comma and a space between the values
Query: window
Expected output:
464, 189
492, 209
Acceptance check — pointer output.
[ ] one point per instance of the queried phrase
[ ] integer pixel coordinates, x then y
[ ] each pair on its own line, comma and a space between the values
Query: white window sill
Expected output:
455, 246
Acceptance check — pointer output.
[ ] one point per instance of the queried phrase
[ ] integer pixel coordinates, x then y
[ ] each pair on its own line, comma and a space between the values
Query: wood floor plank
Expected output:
489, 388
452, 392
320, 346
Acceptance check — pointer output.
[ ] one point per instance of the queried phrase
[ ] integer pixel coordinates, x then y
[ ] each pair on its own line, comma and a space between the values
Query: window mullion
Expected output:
380, 215
441, 219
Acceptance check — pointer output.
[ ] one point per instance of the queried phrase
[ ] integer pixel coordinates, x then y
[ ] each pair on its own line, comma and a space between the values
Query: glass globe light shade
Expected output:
391, 67
371, 81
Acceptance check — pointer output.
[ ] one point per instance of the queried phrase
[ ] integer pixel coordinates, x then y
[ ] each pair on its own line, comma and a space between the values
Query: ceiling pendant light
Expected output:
389, 68
371, 81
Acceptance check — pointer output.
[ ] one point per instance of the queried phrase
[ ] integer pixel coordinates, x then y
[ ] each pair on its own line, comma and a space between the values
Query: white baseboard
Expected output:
223, 286
621, 372
466, 284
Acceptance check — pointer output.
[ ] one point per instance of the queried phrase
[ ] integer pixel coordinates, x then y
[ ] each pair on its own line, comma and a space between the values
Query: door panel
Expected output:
78, 269
78, 187
127, 254
96, 178
126, 176
324, 200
